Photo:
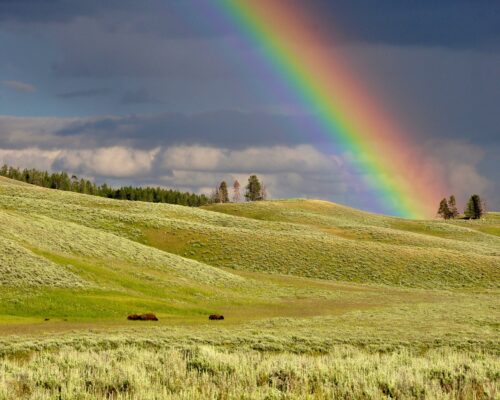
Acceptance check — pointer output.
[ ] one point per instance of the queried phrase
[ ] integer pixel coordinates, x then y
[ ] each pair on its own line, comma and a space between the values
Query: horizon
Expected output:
208, 199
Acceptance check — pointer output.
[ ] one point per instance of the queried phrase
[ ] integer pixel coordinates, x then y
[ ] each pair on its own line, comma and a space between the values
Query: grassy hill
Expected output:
298, 237
99, 258
297, 276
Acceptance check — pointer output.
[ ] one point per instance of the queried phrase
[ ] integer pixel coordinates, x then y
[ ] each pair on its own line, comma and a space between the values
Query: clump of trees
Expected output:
63, 181
448, 208
254, 191
473, 210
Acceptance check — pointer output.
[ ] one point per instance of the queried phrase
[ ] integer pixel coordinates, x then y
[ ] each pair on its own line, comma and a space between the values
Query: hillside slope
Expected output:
83, 261
298, 237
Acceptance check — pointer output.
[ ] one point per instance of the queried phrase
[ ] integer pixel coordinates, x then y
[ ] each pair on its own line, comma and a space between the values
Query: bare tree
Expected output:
215, 196
263, 192
236, 191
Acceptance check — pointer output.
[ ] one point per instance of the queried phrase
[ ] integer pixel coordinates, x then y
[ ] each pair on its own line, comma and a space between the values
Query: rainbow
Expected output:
291, 44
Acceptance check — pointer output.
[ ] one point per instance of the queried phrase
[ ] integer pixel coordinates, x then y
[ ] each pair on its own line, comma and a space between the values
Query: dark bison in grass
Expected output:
216, 317
142, 317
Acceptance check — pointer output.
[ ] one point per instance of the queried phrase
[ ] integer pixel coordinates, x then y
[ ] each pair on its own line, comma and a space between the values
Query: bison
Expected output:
142, 317
216, 317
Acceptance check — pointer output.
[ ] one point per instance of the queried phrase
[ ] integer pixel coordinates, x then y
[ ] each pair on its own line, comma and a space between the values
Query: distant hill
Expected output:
64, 253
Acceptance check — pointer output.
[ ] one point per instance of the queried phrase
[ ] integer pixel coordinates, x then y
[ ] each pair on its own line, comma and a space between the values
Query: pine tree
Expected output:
74, 183
253, 189
469, 209
223, 193
236, 191
444, 210
452, 206
474, 208
4, 170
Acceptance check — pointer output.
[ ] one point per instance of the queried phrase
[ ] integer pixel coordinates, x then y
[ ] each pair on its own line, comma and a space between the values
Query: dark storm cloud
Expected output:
139, 96
185, 39
455, 23
169, 149
228, 129
45, 10
90, 50
186, 18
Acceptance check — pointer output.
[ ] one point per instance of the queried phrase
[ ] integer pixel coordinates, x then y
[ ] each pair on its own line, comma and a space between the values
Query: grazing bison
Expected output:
216, 317
142, 317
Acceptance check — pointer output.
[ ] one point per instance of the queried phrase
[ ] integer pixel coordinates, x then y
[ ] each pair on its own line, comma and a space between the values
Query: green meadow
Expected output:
320, 301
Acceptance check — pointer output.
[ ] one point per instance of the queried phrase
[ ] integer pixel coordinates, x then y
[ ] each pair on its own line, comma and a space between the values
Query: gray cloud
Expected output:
173, 160
453, 23
443, 23
277, 159
231, 129
85, 93
90, 49
433, 92
54, 11
287, 170
458, 161
19, 86
82, 146
116, 161
139, 96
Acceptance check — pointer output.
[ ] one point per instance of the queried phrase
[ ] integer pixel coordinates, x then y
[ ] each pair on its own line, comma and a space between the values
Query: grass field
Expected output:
320, 300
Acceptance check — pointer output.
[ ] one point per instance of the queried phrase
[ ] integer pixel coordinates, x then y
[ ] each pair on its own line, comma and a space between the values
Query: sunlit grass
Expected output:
320, 300
207, 372
306, 238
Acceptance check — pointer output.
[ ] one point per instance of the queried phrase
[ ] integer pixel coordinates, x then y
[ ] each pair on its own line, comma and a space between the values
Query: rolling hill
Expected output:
313, 293
81, 256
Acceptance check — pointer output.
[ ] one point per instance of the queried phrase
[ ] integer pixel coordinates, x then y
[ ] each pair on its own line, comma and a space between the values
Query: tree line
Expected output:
254, 191
63, 181
473, 210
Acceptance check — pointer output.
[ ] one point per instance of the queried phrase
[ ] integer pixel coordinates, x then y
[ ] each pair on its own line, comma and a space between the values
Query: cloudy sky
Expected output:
160, 92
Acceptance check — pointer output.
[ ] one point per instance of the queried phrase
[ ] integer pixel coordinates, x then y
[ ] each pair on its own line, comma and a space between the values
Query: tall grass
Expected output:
20, 267
419, 321
131, 372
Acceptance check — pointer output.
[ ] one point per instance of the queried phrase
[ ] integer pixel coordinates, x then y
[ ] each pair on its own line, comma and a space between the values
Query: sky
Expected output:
169, 93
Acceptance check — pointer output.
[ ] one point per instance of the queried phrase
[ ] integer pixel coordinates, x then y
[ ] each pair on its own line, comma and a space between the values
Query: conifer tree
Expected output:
444, 210
223, 193
452, 206
253, 189
469, 209
474, 208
